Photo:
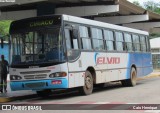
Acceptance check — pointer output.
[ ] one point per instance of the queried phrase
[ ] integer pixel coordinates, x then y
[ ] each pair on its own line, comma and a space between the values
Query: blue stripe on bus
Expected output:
128, 69
142, 61
41, 84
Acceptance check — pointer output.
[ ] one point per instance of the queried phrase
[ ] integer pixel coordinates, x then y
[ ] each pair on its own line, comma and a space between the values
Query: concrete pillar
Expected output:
16, 15
45, 9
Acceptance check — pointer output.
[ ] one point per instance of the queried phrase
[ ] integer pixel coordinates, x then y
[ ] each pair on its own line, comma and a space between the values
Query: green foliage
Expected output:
149, 5
4, 27
154, 35
152, 6
136, 3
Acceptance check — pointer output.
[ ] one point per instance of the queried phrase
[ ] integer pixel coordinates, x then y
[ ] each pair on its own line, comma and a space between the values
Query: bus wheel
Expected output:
44, 93
88, 84
132, 81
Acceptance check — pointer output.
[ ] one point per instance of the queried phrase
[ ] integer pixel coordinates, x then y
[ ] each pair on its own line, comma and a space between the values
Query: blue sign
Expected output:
5, 51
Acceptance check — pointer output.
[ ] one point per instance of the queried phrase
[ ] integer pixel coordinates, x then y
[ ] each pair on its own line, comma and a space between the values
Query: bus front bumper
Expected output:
39, 84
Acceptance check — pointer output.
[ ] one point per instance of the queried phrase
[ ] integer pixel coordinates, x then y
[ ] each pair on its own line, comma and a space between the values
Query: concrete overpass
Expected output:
119, 12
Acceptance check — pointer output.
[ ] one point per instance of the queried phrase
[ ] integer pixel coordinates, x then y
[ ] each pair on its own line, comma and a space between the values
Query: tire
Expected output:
87, 89
132, 81
44, 93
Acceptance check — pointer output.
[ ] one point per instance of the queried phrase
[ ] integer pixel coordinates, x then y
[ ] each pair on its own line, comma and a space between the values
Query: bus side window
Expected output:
128, 41
71, 36
136, 43
147, 44
74, 36
109, 40
85, 39
143, 43
68, 39
97, 39
119, 41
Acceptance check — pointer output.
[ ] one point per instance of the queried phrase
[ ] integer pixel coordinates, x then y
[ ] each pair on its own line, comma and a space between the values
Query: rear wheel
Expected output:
88, 84
44, 93
132, 81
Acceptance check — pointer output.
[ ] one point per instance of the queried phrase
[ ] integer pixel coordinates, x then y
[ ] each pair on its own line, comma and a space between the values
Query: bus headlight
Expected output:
59, 74
15, 77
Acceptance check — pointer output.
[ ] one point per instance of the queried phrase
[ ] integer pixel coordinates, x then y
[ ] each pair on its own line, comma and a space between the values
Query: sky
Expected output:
142, 1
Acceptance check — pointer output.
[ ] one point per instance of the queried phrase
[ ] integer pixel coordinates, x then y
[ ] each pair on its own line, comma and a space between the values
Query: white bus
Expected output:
62, 51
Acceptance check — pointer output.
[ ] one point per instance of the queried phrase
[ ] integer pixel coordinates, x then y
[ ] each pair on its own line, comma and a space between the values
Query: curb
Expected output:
9, 99
2, 100
149, 76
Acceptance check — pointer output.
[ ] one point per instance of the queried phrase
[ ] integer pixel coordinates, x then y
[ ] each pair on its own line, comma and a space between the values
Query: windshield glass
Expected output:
37, 47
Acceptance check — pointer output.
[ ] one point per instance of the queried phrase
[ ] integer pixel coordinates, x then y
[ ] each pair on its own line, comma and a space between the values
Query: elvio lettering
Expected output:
107, 60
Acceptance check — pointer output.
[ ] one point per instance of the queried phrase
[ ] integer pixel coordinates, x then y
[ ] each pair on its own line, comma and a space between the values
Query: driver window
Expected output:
68, 41
71, 36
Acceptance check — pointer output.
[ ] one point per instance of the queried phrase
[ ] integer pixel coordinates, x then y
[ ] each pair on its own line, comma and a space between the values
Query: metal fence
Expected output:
156, 61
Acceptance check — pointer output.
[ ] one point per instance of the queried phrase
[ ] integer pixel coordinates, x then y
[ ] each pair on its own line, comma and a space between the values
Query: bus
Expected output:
62, 51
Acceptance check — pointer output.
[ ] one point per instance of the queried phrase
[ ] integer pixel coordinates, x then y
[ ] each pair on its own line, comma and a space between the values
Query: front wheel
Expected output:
132, 81
88, 84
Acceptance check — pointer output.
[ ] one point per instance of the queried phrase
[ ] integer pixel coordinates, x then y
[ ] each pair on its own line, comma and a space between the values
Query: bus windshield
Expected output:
43, 46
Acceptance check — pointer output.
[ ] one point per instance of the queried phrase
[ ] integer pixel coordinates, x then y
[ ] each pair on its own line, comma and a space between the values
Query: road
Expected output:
146, 91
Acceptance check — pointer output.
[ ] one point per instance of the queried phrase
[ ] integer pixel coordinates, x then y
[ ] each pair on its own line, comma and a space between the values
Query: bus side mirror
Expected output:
2, 43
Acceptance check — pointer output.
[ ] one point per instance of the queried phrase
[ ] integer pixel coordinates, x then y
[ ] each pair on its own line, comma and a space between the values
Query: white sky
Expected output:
142, 1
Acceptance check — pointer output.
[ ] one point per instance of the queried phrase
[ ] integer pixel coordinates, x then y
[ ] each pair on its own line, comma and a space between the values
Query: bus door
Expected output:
73, 55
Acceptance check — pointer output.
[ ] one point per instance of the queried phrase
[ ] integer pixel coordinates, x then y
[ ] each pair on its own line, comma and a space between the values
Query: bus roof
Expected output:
18, 23
102, 24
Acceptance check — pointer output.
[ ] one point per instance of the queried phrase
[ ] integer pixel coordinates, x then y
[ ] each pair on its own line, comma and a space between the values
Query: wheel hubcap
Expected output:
88, 82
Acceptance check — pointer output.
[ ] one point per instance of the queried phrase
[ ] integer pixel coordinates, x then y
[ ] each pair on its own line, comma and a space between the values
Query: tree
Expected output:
4, 27
136, 3
154, 35
152, 6
149, 5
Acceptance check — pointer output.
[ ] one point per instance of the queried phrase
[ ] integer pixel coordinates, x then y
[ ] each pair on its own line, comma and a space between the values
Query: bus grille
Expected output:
35, 72
40, 76
35, 85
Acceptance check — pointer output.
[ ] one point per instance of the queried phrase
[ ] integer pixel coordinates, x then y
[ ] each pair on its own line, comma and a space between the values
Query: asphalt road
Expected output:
146, 91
